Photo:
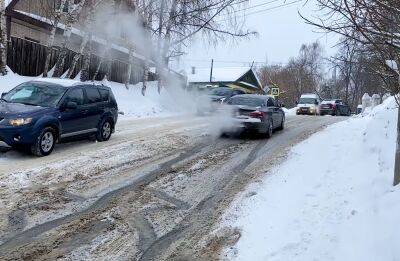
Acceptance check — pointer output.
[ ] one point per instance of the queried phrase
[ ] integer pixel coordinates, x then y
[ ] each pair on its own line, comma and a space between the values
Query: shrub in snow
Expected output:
376, 100
366, 101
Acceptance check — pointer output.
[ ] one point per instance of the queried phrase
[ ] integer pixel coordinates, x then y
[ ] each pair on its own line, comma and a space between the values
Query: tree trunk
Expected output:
78, 55
105, 57
52, 36
160, 26
71, 19
145, 78
85, 74
129, 70
3, 39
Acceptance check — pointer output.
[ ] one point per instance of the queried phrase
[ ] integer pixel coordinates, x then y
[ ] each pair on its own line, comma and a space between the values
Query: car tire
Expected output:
282, 126
105, 130
270, 130
45, 143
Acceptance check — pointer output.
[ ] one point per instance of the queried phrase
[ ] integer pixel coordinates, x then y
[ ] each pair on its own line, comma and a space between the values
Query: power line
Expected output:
265, 10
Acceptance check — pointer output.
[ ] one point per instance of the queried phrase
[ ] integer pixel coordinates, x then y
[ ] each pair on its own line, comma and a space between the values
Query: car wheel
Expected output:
270, 130
105, 130
282, 124
45, 143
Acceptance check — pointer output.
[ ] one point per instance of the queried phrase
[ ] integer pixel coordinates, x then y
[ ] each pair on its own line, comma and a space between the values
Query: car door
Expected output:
276, 112
94, 106
72, 120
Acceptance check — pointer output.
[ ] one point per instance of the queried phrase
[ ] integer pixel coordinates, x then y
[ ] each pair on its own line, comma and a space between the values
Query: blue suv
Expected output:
37, 114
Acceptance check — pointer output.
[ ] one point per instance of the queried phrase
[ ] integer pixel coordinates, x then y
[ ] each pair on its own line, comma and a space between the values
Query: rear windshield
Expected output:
247, 101
36, 94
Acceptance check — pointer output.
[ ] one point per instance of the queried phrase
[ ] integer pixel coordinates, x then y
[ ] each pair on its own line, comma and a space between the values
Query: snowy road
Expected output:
153, 192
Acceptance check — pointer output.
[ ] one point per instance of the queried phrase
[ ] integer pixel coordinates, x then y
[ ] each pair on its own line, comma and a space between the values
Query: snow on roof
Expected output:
221, 74
80, 33
63, 82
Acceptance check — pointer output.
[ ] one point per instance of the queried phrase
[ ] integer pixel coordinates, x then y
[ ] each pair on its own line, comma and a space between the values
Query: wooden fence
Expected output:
27, 58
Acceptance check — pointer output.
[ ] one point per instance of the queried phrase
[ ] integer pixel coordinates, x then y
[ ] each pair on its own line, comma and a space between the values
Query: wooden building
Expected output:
28, 30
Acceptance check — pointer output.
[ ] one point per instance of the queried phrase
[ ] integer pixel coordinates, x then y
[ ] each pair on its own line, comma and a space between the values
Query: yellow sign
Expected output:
275, 92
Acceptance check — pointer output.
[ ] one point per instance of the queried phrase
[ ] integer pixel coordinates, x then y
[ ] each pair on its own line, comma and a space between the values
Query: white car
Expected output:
308, 104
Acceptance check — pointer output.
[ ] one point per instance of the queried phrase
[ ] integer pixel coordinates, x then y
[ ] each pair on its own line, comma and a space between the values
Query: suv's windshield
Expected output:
222, 92
37, 94
307, 101
247, 101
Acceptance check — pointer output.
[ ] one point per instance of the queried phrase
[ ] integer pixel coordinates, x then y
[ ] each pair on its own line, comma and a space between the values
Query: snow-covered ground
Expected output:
172, 101
332, 199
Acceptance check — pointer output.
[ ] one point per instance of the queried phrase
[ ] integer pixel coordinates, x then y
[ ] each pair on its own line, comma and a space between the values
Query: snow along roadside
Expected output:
332, 200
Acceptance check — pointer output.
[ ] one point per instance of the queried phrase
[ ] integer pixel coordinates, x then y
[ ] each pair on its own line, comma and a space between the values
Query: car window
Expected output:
36, 93
247, 101
93, 95
75, 95
271, 102
105, 95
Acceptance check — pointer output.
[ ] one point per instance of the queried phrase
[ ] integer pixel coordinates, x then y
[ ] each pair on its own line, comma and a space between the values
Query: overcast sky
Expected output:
281, 33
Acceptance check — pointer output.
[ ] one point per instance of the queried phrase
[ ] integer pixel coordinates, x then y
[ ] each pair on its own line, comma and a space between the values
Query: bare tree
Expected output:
376, 25
50, 42
3, 39
71, 18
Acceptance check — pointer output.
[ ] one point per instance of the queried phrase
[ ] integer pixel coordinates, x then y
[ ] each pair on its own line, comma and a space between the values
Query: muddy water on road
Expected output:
150, 203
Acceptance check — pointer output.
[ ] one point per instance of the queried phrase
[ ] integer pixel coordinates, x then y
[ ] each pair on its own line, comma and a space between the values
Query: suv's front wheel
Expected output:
45, 143
105, 130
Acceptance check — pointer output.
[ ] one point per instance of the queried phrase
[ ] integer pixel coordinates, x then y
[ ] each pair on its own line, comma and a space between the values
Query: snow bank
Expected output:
172, 101
291, 111
332, 200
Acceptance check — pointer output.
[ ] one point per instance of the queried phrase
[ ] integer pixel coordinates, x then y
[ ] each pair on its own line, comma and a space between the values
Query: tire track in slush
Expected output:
208, 204
31, 234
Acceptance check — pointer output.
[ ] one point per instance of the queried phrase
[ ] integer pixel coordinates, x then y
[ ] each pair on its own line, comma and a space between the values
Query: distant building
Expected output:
245, 79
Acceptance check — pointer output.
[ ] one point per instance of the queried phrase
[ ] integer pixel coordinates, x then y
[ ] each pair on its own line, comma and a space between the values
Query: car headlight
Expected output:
20, 121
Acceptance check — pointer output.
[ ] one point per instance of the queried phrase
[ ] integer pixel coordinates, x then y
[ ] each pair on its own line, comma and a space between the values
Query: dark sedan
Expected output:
257, 113
335, 107
221, 94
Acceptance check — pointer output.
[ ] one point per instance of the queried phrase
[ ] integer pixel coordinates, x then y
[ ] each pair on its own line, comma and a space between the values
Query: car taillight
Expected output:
257, 114
334, 106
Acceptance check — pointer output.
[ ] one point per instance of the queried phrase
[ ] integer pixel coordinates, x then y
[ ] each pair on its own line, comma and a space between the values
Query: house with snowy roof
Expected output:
243, 78
29, 23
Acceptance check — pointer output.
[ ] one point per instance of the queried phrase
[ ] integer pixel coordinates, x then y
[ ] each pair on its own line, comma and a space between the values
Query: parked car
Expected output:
359, 109
221, 94
257, 113
335, 107
37, 114
308, 104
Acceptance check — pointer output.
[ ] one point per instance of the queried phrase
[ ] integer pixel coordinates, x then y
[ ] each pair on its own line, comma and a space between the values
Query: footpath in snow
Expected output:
332, 199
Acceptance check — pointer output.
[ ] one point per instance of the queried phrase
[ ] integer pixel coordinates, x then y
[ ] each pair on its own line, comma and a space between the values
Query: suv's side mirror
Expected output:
3, 94
71, 105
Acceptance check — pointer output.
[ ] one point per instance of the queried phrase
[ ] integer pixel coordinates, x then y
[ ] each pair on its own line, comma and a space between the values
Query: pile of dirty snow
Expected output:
332, 199
172, 100
290, 112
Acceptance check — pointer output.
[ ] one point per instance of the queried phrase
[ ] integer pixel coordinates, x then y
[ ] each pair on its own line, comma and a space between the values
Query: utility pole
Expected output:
212, 67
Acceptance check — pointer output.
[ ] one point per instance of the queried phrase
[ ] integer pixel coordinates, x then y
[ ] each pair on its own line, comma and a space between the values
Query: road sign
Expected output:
275, 92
